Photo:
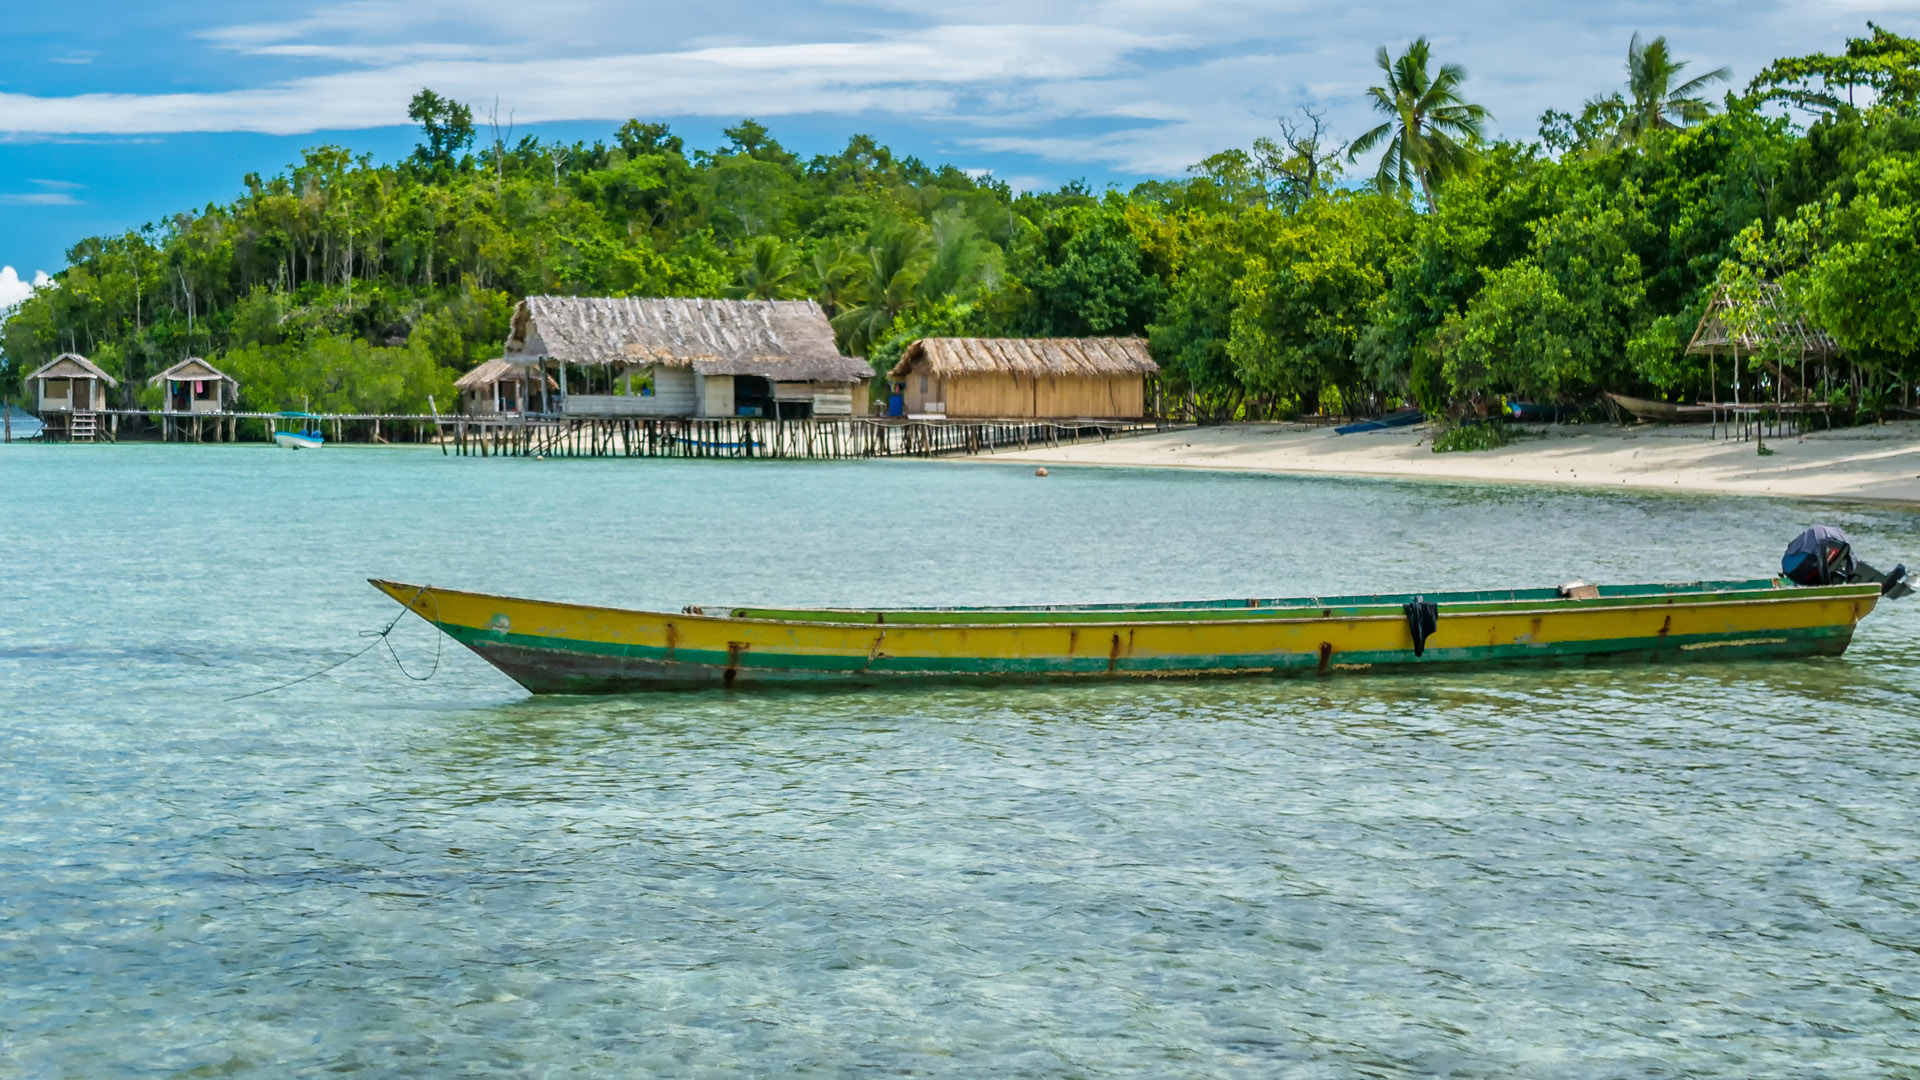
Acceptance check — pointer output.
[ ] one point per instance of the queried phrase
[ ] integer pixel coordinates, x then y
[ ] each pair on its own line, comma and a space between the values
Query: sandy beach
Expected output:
1879, 463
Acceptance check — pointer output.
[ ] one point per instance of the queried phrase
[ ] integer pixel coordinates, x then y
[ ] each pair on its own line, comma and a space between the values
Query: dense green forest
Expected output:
1272, 280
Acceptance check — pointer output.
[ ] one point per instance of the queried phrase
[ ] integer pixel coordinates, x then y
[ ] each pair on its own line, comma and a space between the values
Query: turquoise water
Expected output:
1709, 870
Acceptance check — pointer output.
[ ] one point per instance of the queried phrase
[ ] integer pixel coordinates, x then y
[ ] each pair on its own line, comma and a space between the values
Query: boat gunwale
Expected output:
1773, 595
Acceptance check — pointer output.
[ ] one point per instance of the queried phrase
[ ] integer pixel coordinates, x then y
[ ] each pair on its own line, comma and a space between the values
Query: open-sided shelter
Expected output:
195, 386
1764, 325
628, 356
1002, 378
70, 383
504, 388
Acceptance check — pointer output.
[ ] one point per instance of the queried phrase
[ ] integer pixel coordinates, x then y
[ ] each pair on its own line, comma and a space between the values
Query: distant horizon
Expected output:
124, 115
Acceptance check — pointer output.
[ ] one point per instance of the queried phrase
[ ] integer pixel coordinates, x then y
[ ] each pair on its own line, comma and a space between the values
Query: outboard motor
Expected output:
1824, 556
1820, 556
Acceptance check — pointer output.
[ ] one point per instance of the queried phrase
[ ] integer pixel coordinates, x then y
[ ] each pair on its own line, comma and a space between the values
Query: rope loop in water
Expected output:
379, 636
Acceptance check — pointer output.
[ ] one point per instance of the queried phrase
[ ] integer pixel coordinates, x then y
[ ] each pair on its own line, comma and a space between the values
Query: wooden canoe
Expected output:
551, 647
1663, 412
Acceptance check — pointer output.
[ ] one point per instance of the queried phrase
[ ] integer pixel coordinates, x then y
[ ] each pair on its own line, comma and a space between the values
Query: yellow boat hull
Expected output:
551, 647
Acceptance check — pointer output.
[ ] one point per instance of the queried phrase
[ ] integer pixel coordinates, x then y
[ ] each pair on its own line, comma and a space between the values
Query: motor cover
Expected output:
1820, 556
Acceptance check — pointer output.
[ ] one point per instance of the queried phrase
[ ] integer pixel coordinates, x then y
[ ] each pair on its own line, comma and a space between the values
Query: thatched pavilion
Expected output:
627, 356
504, 388
1005, 378
1767, 326
70, 383
195, 386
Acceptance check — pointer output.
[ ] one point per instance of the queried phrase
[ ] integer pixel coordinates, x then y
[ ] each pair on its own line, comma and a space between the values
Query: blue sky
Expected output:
114, 113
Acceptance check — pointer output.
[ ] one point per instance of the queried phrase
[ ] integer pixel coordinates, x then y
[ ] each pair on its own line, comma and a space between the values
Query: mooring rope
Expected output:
378, 636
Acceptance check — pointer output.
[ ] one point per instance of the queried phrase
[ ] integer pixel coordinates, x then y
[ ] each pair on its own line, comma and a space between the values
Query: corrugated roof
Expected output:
73, 366
1027, 357
779, 339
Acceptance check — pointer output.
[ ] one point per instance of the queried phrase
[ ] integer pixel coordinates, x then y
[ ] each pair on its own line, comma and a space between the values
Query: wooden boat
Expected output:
552, 647
1663, 412
1403, 418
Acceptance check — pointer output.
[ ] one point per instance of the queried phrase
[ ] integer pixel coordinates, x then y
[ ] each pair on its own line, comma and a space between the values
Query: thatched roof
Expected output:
1780, 323
73, 366
786, 340
493, 371
190, 370
1027, 357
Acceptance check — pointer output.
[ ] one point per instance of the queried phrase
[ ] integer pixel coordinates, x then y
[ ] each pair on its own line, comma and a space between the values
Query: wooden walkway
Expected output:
820, 439
830, 438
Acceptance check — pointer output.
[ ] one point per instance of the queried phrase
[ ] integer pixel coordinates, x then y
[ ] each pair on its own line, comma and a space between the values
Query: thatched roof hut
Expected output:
70, 383
1067, 378
786, 340
691, 357
1769, 321
195, 386
1765, 325
503, 386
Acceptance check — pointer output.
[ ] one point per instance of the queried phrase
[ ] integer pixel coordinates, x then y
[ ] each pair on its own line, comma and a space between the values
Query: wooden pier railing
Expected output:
693, 437
633, 436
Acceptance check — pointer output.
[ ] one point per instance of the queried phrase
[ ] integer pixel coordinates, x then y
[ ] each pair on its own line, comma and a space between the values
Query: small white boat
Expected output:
307, 437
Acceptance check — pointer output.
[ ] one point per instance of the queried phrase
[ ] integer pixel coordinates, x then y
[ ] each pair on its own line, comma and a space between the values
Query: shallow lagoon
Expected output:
1704, 870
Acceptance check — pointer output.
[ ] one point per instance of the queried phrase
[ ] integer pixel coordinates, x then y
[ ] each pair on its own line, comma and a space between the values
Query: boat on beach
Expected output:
1403, 418
553, 647
1662, 412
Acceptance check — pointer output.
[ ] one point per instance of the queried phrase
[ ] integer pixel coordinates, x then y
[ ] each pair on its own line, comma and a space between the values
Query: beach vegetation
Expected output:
1448, 267
1466, 437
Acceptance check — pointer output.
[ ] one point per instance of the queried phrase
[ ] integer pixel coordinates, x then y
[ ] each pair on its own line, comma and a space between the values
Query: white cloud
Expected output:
38, 198
13, 290
1142, 86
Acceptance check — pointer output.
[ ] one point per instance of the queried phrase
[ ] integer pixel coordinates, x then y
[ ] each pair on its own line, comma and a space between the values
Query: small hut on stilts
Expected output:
69, 392
1767, 325
196, 396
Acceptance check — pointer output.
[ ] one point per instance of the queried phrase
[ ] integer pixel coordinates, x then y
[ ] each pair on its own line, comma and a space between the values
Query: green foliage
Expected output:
1886, 65
1302, 304
1264, 286
1088, 270
1860, 245
447, 125
338, 374
1556, 322
1466, 438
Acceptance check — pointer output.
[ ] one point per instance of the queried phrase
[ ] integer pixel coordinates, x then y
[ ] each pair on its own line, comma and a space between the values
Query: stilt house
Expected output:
1009, 378
505, 388
627, 356
195, 386
71, 383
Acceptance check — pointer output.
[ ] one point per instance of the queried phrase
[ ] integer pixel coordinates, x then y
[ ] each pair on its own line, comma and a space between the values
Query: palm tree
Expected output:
896, 258
1656, 104
835, 276
1430, 133
770, 271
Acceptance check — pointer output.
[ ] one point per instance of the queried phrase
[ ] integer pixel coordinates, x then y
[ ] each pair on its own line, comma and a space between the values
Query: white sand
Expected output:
1872, 463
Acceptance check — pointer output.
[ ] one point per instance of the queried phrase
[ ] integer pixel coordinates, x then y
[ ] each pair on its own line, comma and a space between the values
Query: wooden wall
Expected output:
1046, 397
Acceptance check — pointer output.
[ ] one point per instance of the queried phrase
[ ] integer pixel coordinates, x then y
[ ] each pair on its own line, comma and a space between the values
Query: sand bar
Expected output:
1878, 463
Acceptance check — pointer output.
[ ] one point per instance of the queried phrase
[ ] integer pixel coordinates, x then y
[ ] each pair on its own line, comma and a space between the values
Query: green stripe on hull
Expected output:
1303, 608
552, 665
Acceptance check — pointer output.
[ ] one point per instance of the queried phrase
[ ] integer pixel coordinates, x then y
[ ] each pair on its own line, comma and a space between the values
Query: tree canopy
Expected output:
1267, 282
